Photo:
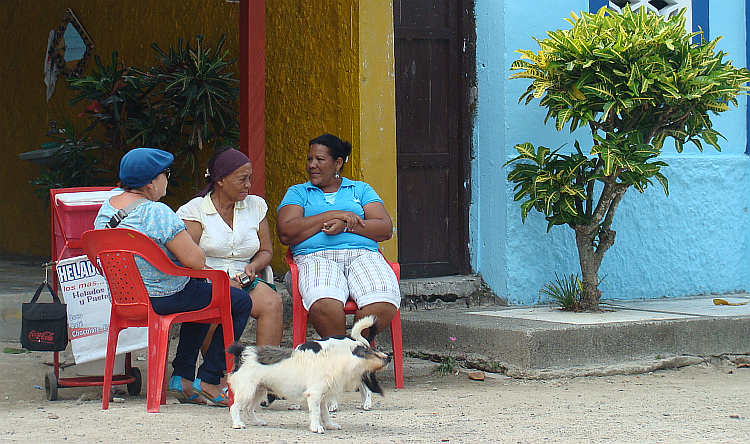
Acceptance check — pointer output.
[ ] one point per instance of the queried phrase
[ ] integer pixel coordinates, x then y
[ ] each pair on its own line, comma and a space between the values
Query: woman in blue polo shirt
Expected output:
333, 226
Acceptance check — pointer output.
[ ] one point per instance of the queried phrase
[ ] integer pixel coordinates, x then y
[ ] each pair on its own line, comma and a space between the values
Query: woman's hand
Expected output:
250, 271
351, 220
235, 282
334, 227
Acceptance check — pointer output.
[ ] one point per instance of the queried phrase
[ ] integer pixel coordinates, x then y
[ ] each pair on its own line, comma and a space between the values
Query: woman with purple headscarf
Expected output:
230, 225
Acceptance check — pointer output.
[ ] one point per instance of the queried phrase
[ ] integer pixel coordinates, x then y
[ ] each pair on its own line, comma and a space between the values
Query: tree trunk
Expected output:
593, 240
590, 262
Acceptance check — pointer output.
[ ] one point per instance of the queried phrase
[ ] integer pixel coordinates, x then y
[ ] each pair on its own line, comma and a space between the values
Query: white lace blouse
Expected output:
226, 248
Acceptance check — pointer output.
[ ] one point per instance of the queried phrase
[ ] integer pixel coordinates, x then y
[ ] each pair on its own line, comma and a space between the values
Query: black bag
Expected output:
44, 326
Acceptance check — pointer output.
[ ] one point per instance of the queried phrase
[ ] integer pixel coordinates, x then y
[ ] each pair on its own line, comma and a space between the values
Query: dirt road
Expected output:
702, 403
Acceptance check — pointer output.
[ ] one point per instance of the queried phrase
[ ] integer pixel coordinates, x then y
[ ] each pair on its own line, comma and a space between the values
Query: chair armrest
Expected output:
266, 274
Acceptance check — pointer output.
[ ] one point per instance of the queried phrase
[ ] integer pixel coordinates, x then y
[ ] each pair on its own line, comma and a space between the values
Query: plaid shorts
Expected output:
363, 275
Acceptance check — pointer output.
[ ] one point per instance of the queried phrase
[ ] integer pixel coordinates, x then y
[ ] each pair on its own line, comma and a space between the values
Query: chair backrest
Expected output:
115, 250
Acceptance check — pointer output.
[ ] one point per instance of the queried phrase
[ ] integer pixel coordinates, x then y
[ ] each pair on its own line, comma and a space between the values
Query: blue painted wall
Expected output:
693, 242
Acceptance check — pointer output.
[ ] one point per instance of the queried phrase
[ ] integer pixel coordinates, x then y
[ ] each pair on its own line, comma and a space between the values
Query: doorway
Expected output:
434, 60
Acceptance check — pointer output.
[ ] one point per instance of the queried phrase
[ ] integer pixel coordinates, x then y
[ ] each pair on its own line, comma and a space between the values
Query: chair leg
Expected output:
228, 331
299, 328
165, 377
109, 360
299, 313
398, 350
158, 350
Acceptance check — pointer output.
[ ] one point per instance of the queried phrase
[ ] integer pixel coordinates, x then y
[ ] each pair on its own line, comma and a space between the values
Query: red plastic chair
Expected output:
299, 319
131, 307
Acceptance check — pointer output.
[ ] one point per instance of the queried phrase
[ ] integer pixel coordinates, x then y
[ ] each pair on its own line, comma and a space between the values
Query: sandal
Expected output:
220, 401
175, 389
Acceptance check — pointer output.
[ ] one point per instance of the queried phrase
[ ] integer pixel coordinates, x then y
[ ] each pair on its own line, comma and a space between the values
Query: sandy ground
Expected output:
701, 403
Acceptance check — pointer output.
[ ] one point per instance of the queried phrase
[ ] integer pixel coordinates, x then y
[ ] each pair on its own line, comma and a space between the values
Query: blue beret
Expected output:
140, 166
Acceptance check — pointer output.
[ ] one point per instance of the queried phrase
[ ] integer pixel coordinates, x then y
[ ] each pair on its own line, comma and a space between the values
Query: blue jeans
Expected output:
195, 296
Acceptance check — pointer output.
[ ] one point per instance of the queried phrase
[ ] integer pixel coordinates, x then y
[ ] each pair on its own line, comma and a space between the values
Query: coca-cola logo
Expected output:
47, 337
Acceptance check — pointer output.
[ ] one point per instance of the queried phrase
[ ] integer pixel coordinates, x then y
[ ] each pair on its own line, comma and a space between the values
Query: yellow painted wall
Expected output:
311, 89
378, 107
329, 68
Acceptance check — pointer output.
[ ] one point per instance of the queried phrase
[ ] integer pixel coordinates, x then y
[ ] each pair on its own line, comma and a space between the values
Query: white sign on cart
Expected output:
86, 293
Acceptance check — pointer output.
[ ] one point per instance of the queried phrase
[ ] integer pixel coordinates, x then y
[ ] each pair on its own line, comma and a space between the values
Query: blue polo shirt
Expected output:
352, 196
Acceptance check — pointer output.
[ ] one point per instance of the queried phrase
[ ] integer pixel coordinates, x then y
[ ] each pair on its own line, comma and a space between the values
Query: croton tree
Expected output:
635, 79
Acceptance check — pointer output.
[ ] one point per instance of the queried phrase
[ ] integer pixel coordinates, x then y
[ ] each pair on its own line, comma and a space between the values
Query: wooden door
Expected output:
434, 58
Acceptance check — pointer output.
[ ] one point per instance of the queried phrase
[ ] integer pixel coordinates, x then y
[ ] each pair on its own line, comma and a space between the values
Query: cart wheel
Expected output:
134, 388
50, 386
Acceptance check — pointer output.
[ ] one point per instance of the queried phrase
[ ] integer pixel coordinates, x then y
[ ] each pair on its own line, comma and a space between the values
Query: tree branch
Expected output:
619, 193
590, 188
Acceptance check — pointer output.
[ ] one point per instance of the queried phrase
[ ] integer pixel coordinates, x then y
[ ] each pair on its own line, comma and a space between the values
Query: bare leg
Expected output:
268, 309
383, 311
328, 318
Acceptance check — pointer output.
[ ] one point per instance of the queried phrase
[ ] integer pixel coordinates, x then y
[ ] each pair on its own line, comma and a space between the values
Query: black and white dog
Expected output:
316, 371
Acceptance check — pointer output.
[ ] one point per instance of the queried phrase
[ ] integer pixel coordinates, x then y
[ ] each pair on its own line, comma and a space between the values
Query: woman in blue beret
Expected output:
333, 226
144, 174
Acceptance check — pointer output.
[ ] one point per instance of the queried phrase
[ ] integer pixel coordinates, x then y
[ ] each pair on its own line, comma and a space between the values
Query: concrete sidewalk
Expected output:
532, 342
627, 337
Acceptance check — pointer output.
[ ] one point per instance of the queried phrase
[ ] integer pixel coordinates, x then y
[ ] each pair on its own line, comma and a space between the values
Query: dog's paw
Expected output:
333, 426
317, 428
367, 404
333, 406
260, 422
295, 407
238, 425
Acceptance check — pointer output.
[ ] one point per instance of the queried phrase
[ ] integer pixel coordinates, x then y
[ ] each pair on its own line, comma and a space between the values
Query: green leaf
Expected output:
663, 181
525, 208
526, 150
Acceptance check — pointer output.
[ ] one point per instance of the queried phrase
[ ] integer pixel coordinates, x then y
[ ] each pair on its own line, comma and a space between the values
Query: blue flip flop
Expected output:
220, 401
175, 389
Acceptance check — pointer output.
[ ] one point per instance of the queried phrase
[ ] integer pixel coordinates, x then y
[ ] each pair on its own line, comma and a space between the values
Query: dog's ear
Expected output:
371, 382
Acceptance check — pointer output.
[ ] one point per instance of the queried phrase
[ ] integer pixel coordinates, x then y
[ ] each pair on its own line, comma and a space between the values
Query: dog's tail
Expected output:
236, 349
370, 322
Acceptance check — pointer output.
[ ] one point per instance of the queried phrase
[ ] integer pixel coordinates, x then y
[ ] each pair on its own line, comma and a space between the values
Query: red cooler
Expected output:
73, 212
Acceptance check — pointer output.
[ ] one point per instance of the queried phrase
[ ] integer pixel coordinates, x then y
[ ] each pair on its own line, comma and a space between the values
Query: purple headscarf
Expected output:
225, 164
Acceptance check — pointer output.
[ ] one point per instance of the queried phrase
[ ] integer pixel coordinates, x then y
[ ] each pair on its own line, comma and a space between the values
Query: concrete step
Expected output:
460, 291
543, 342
